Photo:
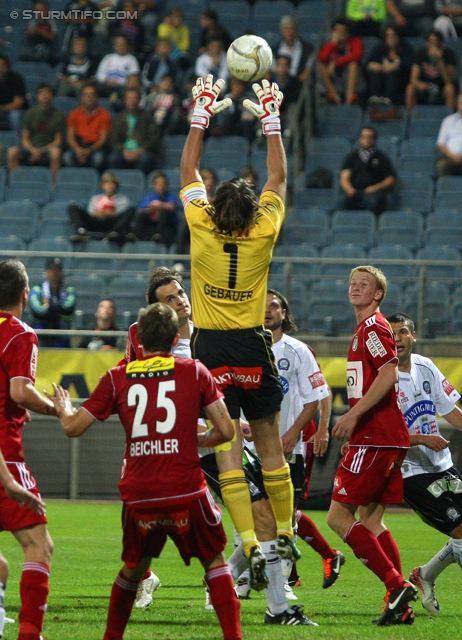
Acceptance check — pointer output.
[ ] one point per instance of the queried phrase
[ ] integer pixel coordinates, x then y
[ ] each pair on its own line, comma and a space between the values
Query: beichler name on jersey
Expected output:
227, 294
153, 447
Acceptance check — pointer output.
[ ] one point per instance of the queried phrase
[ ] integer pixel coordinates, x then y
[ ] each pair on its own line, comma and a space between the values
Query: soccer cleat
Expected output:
429, 601
286, 548
258, 578
290, 595
145, 590
405, 618
290, 617
332, 569
397, 603
208, 602
242, 589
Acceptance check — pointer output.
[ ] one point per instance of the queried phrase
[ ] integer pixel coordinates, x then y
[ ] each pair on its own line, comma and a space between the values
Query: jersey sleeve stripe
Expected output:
395, 359
194, 193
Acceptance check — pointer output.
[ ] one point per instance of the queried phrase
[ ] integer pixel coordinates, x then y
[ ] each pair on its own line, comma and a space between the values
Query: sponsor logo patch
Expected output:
317, 380
448, 388
245, 377
452, 513
285, 384
375, 346
33, 361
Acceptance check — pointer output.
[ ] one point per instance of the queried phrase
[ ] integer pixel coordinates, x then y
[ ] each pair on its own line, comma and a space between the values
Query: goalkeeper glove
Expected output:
267, 110
206, 103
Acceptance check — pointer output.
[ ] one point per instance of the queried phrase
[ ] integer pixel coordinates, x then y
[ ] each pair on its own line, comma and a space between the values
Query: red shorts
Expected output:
12, 516
195, 527
370, 474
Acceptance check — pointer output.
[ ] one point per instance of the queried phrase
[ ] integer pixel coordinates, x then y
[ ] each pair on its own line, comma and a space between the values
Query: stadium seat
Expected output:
389, 128
332, 161
353, 227
449, 274
402, 273
129, 178
369, 43
2, 183
129, 294
134, 194
448, 200
316, 198
141, 265
339, 120
316, 225
106, 266
329, 317
416, 165
172, 148
19, 219
231, 160
389, 146
430, 112
54, 228
446, 236
36, 192
31, 174
83, 175
66, 105
50, 245
330, 289
73, 192
342, 146
11, 243
301, 270
55, 211
402, 228
424, 128
449, 184
394, 299
415, 182
227, 143
354, 254
456, 318
413, 200
266, 15
90, 289
8, 139
436, 308
419, 147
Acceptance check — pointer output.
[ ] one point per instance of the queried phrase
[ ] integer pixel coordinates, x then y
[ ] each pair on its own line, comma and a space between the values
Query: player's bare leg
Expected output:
276, 477
236, 497
38, 550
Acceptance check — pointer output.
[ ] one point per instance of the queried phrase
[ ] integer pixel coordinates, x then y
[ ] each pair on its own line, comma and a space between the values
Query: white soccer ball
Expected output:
249, 58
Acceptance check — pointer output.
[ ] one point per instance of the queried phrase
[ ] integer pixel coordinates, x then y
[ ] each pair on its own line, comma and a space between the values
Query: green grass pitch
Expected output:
87, 539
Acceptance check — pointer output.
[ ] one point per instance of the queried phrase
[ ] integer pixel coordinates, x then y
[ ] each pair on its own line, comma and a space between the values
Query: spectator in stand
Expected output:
135, 138
42, 134
80, 20
388, 68
412, 17
133, 82
433, 74
88, 129
365, 16
13, 99
211, 29
367, 176
159, 65
213, 61
290, 86
163, 104
129, 26
114, 69
297, 50
450, 144
340, 64
177, 33
52, 304
40, 36
249, 173
236, 121
149, 12
108, 215
449, 20
156, 217
105, 321
78, 68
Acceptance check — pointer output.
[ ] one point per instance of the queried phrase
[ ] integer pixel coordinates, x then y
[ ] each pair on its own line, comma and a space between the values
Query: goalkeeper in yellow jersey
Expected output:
232, 240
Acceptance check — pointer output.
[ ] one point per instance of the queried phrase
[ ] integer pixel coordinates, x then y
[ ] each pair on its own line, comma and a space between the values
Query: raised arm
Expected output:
223, 427
73, 422
206, 105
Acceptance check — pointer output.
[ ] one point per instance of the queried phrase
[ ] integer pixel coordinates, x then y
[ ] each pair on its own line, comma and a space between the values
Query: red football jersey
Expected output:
158, 400
133, 350
18, 359
373, 346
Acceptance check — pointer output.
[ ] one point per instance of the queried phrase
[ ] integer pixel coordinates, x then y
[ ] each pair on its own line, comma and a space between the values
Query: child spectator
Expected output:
177, 33
114, 69
156, 217
213, 61
107, 216
340, 64
164, 105
159, 65
77, 69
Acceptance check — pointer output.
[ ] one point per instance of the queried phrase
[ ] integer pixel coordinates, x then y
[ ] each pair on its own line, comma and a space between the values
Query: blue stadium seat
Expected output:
424, 129
445, 236
448, 274
130, 178
26, 213
172, 148
330, 289
31, 174
266, 15
416, 165
82, 175
54, 228
419, 147
405, 229
10, 243
449, 184
389, 146
415, 182
73, 192
224, 175
339, 121
448, 200
388, 128
434, 112
37, 263
8, 139
144, 265
353, 227
316, 199
90, 289
394, 299
65, 104
456, 318
106, 266
55, 211
332, 161
410, 199
401, 273
329, 317
354, 254
2, 183
129, 294
341, 146
315, 223
369, 43
436, 308
232, 160
134, 194
225, 144
36, 192
301, 270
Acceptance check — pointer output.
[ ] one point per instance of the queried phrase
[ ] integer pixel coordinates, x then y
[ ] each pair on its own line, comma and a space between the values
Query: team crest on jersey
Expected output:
157, 367
452, 513
284, 383
284, 364
447, 386
354, 346
426, 387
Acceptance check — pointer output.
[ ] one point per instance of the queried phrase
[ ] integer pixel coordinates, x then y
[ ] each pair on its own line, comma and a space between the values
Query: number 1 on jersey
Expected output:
231, 248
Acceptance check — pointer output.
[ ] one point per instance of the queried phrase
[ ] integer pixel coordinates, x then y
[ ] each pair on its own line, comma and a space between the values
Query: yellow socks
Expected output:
280, 491
236, 496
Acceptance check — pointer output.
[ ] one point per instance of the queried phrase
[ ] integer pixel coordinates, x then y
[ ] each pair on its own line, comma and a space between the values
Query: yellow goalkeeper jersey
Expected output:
229, 272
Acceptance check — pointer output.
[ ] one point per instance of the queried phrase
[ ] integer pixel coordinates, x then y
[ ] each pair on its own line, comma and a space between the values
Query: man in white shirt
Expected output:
432, 485
114, 68
450, 143
305, 390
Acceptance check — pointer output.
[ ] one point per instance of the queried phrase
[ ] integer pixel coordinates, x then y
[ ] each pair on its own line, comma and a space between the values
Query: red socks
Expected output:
390, 548
311, 535
34, 594
225, 603
123, 596
367, 549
